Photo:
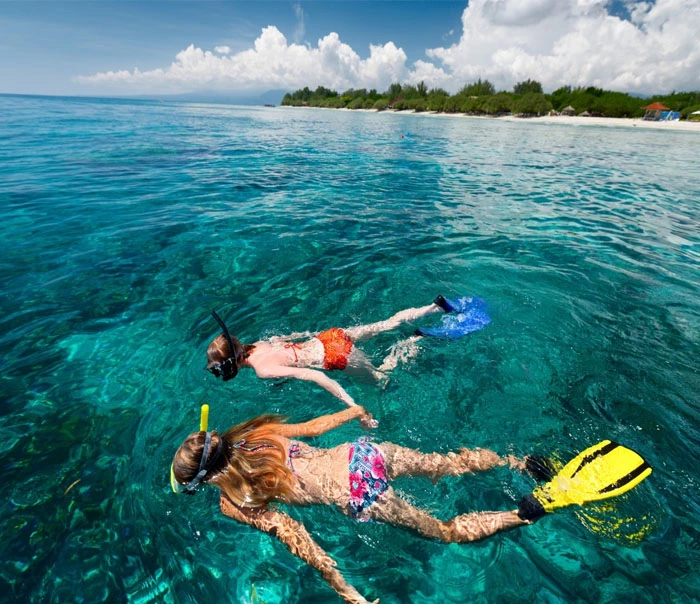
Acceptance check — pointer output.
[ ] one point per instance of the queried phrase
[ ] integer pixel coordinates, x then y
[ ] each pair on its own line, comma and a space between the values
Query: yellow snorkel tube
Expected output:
203, 422
204, 418
174, 484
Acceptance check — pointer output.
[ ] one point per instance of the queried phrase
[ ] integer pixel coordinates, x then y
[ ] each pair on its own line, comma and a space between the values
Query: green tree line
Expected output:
481, 98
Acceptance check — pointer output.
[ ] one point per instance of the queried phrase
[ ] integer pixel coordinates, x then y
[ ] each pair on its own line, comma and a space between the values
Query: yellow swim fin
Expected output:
600, 472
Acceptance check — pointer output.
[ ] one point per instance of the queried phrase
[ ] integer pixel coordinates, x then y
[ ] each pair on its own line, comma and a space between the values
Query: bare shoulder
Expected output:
231, 510
267, 359
262, 345
245, 515
265, 519
260, 350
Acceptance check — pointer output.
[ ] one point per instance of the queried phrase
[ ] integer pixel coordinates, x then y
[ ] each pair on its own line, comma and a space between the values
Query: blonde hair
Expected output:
252, 467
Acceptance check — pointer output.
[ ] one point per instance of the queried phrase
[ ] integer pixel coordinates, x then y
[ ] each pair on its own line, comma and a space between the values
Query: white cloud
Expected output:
556, 42
271, 63
577, 42
432, 76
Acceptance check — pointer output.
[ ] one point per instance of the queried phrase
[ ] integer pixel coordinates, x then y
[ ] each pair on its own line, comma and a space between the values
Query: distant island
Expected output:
526, 99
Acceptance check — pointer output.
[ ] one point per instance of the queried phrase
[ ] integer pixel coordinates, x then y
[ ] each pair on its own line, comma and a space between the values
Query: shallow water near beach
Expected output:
124, 223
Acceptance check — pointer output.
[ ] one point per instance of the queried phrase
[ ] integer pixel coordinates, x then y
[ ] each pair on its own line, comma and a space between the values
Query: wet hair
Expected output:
252, 467
222, 361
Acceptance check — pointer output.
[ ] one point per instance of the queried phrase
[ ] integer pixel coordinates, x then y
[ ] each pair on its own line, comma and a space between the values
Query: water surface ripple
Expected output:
124, 223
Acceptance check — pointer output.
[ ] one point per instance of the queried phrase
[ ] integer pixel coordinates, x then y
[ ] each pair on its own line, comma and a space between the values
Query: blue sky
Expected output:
103, 47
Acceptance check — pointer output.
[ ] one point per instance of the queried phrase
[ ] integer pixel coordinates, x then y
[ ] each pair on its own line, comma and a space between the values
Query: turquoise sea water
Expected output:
124, 223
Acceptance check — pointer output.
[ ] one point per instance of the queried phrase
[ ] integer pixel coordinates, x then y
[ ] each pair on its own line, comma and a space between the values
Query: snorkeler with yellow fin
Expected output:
600, 472
260, 463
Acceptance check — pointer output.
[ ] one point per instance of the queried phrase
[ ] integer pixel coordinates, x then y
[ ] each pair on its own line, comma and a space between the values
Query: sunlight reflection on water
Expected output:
125, 223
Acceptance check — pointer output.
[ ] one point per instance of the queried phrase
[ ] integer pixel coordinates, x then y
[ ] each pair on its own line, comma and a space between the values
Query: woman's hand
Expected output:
366, 420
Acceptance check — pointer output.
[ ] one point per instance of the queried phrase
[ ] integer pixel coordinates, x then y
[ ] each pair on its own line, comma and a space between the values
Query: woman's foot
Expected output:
442, 302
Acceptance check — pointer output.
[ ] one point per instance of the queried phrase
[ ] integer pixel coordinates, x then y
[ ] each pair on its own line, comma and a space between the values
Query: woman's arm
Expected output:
323, 424
309, 375
295, 536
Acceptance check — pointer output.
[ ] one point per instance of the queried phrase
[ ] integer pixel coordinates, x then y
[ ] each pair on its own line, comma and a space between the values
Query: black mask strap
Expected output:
204, 467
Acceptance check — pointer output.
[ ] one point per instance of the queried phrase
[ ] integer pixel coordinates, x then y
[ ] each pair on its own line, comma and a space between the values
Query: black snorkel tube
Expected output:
229, 368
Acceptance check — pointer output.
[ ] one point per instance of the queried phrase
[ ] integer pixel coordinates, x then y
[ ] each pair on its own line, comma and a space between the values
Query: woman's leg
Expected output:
364, 332
401, 461
462, 529
401, 352
359, 364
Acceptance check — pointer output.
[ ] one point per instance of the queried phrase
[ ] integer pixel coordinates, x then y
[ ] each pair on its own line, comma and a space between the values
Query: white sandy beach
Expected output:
575, 120
685, 126
608, 121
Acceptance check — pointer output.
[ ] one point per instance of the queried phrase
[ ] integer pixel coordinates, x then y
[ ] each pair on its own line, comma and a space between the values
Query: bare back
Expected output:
321, 475
266, 355
300, 360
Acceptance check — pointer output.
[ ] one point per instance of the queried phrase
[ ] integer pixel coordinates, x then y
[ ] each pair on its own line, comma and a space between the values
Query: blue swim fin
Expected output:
471, 316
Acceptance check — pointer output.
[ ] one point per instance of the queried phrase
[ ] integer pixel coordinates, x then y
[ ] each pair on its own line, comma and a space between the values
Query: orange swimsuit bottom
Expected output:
336, 347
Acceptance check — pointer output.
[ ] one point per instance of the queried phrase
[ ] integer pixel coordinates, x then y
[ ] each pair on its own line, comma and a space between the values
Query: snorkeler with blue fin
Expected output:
261, 462
307, 356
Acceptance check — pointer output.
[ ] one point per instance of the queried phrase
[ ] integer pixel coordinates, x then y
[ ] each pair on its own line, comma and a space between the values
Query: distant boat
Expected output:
269, 105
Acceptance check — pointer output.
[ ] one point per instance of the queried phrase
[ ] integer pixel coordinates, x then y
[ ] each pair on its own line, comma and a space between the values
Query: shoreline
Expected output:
570, 120
625, 122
